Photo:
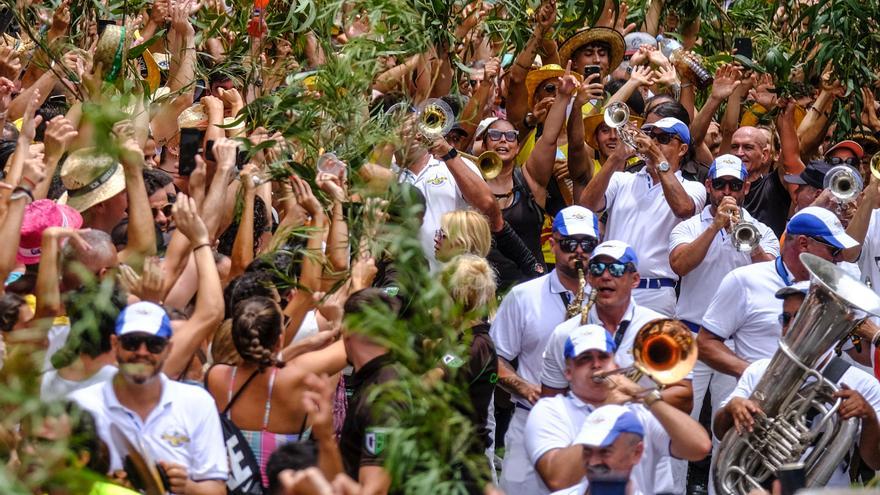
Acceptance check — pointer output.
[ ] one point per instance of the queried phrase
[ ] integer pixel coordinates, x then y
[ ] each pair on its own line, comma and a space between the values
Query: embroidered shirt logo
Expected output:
437, 181
175, 439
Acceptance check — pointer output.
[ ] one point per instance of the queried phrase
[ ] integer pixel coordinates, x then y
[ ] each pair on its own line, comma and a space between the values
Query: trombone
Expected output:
664, 350
489, 163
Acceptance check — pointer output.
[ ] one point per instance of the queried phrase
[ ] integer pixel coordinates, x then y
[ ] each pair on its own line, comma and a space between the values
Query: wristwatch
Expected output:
651, 397
452, 153
663, 166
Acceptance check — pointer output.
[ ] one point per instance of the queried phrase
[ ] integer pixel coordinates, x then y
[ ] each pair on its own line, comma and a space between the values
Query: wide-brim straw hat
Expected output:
112, 50
592, 122
90, 177
592, 35
194, 117
537, 76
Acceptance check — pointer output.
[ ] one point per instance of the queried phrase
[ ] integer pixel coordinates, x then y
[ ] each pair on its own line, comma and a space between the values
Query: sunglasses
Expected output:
835, 251
570, 244
851, 161
496, 135
132, 343
663, 137
785, 318
615, 269
166, 210
720, 184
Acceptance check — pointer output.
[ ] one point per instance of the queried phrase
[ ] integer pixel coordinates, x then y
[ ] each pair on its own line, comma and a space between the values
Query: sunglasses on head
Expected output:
851, 161
835, 251
615, 269
570, 244
785, 318
734, 185
663, 137
132, 343
497, 134
166, 210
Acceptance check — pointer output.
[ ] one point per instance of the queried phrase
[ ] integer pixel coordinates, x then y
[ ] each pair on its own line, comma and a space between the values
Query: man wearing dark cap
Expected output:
810, 183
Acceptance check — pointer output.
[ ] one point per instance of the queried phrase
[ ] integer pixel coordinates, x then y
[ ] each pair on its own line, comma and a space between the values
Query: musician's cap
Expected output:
617, 250
814, 221
605, 424
576, 220
144, 317
802, 287
813, 175
728, 166
588, 338
671, 125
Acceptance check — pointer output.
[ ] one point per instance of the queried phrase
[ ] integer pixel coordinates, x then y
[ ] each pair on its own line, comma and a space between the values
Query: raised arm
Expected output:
243, 246
473, 188
517, 97
141, 230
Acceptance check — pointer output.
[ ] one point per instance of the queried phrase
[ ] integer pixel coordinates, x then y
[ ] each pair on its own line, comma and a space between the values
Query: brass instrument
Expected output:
142, 470
435, 118
793, 390
874, 165
488, 162
616, 116
844, 182
574, 307
744, 234
664, 350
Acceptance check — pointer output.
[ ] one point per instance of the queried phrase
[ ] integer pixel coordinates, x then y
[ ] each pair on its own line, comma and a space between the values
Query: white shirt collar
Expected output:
113, 402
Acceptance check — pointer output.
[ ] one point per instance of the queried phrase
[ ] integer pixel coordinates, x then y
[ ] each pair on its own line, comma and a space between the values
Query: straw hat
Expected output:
111, 51
90, 177
537, 76
592, 122
193, 117
592, 35
38, 216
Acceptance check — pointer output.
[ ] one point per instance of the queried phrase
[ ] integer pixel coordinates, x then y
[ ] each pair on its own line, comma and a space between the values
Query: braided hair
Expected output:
256, 329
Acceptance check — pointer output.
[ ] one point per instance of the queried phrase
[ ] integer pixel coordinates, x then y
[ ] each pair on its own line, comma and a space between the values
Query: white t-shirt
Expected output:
555, 421
746, 310
639, 215
54, 387
553, 367
442, 195
525, 319
854, 378
700, 284
184, 427
869, 261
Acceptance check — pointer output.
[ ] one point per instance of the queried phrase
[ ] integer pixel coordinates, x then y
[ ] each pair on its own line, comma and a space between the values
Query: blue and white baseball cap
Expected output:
672, 126
588, 338
605, 424
144, 317
728, 166
814, 221
576, 220
802, 287
617, 250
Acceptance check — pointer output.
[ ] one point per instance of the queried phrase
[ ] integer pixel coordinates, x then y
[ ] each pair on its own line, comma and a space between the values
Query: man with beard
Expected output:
177, 423
555, 422
525, 319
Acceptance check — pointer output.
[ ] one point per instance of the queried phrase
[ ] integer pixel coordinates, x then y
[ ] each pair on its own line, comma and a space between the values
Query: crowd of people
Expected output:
196, 322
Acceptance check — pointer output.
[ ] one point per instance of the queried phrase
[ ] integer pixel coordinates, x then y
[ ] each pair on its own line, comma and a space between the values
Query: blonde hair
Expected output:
467, 231
471, 283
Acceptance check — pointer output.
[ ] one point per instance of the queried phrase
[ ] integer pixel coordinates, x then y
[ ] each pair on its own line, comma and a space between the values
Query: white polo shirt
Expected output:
525, 319
746, 310
442, 195
639, 215
183, 428
553, 367
869, 260
701, 283
854, 378
555, 421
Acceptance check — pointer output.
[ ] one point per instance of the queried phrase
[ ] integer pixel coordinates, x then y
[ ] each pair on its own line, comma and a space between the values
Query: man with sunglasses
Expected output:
809, 184
177, 423
701, 252
525, 320
644, 207
860, 393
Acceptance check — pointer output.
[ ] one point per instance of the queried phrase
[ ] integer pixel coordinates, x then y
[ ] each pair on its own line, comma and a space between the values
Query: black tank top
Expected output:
526, 218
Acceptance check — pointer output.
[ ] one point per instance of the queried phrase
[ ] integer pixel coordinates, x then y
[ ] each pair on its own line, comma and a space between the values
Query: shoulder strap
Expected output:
835, 369
237, 394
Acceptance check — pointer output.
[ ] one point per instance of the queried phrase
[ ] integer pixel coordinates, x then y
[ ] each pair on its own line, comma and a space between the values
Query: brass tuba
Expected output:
793, 390
489, 163
664, 350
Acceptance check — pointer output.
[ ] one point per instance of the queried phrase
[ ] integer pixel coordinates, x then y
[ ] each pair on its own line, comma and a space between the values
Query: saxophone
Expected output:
793, 390
574, 307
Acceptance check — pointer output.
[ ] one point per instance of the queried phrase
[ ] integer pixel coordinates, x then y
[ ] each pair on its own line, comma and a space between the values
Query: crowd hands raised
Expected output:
195, 322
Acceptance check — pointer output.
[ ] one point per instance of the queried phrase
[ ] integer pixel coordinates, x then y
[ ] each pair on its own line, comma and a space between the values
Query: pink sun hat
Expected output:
38, 216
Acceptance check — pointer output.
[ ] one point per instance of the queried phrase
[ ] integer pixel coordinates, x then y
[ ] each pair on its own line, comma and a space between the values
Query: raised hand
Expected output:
643, 75
545, 17
304, 196
764, 93
666, 76
728, 77
129, 150
58, 136
188, 221
568, 83
10, 65
331, 185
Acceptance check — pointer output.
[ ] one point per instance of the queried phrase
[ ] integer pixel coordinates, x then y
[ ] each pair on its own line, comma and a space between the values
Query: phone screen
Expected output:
190, 145
590, 70
743, 46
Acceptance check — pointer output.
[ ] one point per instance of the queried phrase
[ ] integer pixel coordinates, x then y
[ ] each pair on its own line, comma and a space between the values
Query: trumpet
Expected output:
744, 234
616, 116
844, 182
489, 163
874, 165
664, 350
435, 118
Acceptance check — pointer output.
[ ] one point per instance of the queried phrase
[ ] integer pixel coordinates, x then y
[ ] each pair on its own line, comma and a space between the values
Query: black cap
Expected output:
813, 175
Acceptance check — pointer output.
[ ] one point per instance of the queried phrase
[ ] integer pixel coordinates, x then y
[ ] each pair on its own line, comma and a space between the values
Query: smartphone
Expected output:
743, 46
608, 487
590, 70
792, 477
102, 25
240, 157
190, 146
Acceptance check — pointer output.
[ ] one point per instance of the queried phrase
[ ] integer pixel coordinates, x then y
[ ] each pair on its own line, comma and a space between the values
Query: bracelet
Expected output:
29, 181
21, 192
206, 244
685, 85
449, 155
